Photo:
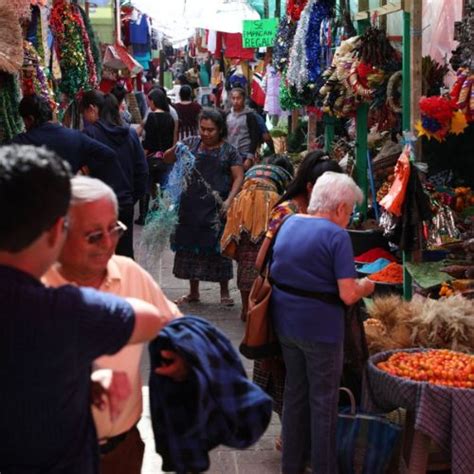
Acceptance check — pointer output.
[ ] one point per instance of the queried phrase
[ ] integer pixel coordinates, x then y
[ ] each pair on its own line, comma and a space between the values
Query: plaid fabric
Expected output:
269, 375
189, 265
246, 255
444, 414
216, 405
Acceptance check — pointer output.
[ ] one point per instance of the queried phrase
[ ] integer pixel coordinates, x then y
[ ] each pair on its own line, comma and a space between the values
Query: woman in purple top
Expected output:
313, 277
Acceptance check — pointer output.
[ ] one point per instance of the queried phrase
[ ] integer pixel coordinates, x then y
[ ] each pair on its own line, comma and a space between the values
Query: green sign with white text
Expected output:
259, 33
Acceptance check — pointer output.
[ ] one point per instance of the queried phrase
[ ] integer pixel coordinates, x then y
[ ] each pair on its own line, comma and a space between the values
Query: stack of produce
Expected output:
438, 367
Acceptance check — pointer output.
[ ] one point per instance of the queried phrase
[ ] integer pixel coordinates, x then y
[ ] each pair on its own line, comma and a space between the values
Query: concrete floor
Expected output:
262, 458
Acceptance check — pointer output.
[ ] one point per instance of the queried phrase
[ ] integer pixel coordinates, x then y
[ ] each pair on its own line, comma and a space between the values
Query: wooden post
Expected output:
277, 8
294, 120
312, 129
383, 18
415, 67
266, 9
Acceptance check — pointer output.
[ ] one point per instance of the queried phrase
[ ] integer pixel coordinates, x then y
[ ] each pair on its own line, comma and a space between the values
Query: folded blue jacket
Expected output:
216, 405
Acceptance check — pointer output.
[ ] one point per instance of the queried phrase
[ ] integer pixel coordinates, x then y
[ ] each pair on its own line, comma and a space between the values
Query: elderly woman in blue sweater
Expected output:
314, 279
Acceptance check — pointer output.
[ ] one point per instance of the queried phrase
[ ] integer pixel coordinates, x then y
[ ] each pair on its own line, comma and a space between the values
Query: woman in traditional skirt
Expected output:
210, 189
247, 219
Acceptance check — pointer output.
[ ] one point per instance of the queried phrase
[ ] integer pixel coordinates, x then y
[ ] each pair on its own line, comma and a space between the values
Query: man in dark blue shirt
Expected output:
50, 337
71, 145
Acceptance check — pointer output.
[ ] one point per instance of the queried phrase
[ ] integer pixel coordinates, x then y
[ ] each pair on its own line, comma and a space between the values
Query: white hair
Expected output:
85, 189
333, 189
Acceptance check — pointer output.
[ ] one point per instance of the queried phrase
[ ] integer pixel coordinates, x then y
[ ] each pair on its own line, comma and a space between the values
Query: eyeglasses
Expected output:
115, 233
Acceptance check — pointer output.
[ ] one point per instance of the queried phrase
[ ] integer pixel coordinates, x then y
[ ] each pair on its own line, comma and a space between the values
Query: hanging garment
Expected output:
271, 87
234, 49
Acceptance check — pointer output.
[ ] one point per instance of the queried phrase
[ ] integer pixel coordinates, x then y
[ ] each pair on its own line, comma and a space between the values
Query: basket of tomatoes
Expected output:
437, 366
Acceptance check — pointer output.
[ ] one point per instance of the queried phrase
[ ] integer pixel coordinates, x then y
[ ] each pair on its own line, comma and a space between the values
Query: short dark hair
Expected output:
158, 97
182, 79
216, 116
185, 92
37, 107
120, 92
35, 191
108, 106
314, 164
240, 91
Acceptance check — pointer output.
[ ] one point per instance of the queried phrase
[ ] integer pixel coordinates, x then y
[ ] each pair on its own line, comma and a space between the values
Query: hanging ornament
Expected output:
462, 93
439, 117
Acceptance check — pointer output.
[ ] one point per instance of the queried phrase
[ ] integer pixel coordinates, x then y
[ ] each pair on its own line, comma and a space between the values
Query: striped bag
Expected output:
365, 443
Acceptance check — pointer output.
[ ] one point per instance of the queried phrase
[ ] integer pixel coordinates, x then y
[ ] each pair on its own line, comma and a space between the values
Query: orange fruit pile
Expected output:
439, 367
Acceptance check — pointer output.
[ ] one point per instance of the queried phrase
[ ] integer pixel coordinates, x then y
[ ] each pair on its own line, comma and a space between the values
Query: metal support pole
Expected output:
406, 125
362, 128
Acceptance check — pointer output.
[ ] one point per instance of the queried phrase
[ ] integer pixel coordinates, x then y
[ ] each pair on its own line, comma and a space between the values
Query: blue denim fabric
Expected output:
313, 372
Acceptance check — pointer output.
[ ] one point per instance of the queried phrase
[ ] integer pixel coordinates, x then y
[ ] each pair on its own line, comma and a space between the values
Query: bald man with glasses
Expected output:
88, 259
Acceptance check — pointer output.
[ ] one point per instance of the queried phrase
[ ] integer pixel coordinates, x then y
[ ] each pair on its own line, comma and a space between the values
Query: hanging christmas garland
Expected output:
33, 79
10, 120
77, 64
94, 44
320, 12
297, 74
283, 41
294, 8
304, 71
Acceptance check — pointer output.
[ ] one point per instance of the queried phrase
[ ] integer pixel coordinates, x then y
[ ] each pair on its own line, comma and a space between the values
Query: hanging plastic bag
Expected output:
393, 201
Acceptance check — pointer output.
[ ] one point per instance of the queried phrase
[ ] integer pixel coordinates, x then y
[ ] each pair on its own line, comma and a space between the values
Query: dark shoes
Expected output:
140, 220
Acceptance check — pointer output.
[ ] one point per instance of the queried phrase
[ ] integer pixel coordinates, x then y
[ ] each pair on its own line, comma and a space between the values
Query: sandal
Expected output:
187, 299
227, 301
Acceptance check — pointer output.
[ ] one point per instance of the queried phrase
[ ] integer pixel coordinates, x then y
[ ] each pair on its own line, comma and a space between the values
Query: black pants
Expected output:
125, 244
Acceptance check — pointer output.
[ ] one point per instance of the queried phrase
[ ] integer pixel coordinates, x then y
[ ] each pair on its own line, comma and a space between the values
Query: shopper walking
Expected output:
212, 186
101, 111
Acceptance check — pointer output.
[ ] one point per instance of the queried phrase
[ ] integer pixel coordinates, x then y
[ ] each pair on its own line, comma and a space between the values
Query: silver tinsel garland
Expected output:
297, 74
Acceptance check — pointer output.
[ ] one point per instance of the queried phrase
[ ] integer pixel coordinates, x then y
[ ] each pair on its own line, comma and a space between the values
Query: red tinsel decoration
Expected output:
294, 8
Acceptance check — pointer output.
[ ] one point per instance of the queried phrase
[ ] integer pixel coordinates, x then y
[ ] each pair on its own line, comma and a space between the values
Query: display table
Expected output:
442, 414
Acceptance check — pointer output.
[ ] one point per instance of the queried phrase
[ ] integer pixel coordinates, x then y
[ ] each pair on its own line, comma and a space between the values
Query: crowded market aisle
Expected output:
262, 458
